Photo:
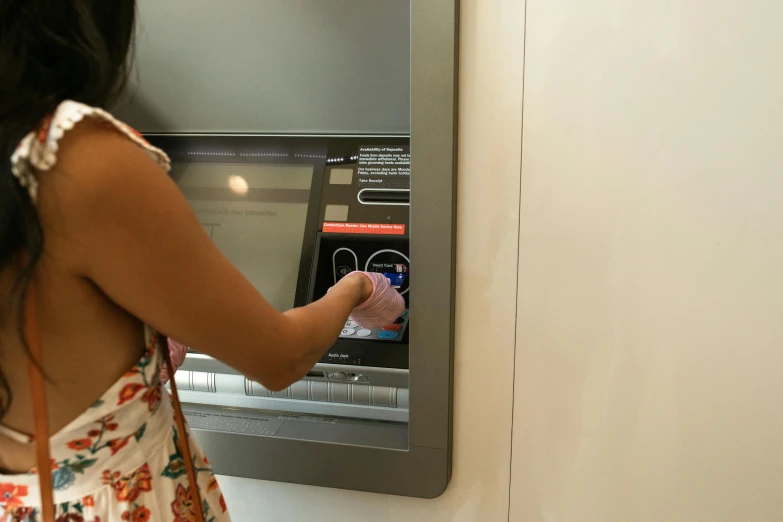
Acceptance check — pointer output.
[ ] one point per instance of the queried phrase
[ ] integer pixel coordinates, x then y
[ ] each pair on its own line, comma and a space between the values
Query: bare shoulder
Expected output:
94, 160
102, 183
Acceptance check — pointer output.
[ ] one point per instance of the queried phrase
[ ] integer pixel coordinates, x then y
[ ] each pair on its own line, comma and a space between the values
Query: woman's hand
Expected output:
382, 306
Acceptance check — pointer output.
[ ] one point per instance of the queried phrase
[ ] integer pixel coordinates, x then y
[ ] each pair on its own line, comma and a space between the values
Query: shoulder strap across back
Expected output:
40, 414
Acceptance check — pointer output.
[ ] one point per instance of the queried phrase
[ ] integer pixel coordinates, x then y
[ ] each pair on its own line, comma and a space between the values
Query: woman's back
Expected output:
78, 322
119, 460
113, 446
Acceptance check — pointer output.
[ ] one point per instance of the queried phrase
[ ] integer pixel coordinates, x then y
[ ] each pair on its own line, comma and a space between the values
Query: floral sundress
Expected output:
119, 460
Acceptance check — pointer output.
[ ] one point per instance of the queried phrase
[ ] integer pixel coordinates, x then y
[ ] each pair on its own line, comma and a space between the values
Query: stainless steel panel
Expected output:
433, 218
310, 407
271, 66
418, 472
378, 376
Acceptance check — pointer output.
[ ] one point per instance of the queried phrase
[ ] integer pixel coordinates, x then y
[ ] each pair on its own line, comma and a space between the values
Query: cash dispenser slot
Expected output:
384, 197
311, 397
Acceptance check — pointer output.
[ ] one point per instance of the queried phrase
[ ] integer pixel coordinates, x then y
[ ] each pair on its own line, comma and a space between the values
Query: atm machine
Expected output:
313, 139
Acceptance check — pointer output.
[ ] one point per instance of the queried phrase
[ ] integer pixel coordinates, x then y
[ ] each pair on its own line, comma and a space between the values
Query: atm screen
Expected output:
256, 215
395, 279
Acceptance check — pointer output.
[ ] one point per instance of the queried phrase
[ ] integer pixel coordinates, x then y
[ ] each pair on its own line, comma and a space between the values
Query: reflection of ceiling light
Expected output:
238, 184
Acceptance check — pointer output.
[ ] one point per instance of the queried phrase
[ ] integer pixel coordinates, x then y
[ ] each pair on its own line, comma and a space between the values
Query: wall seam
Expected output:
519, 255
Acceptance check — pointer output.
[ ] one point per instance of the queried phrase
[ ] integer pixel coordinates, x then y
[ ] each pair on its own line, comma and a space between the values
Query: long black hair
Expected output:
50, 51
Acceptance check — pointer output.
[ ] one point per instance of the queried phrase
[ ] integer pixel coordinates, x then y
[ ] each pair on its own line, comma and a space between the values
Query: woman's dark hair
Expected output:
50, 51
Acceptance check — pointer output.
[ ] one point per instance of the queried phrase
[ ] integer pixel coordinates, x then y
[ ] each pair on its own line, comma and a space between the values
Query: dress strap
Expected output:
40, 414
37, 152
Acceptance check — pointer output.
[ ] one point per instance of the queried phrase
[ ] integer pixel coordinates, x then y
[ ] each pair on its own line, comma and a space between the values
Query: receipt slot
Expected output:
298, 195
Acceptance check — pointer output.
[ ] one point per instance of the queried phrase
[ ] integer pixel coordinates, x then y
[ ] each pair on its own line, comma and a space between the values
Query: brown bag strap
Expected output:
182, 440
38, 394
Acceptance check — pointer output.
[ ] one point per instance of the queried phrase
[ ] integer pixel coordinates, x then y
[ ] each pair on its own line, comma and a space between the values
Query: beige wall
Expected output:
490, 136
649, 363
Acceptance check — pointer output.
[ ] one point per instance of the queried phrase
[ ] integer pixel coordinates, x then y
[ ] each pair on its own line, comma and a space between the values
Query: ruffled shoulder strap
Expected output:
37, 152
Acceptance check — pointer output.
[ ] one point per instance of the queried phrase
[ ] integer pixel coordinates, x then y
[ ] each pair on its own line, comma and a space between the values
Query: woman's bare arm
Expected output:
131, 232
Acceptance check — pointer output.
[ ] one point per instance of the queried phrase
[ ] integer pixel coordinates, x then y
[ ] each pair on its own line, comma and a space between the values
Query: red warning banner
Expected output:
364, 228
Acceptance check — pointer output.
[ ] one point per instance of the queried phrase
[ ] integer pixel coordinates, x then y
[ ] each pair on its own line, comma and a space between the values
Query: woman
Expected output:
93, 228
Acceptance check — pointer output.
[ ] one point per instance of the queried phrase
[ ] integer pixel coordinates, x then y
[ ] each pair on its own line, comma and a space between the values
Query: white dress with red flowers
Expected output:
117, 461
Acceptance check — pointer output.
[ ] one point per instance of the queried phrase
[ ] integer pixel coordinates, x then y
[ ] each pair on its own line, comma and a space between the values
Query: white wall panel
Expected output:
649, 360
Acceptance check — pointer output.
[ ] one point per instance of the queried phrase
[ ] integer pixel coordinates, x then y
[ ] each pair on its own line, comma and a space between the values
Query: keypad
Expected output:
392, 332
